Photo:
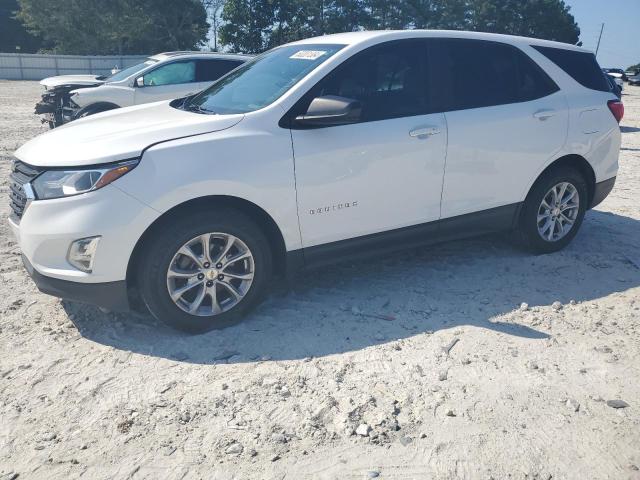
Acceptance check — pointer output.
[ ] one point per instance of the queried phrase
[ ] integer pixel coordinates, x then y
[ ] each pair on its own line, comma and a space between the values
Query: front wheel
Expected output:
92, 110
205, 271
554, 210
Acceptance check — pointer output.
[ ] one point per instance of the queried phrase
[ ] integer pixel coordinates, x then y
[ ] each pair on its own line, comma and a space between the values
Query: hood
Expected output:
60, 80
118, 135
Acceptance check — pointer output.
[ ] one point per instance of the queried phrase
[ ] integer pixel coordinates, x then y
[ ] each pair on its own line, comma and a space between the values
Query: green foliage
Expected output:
14, 37
255, 25
548, 19
116, 26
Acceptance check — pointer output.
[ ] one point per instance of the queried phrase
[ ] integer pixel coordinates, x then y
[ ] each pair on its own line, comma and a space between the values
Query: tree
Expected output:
548, 19
348, 16
214, 12
14, 37
255, 25
117, 26
247, 24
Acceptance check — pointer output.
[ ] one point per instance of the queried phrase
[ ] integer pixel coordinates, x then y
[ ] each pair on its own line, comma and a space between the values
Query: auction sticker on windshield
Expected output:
308, 54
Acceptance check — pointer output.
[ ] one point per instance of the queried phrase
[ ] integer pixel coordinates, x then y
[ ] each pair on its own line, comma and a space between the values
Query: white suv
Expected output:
339, 145
164, 76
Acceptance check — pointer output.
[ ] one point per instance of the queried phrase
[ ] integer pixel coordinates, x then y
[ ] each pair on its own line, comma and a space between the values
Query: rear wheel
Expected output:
554, 210
205, 271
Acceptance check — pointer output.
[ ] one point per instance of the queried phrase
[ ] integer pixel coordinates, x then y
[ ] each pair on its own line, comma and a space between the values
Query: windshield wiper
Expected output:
197, 109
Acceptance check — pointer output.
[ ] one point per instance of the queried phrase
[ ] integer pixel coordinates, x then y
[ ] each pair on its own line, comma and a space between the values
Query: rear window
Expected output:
581, 66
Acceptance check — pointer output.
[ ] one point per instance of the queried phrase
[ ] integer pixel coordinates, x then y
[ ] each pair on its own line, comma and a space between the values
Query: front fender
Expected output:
237, 162
121, 96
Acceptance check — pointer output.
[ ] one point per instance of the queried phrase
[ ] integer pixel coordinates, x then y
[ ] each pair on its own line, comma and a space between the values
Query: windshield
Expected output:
260, 82
127, 72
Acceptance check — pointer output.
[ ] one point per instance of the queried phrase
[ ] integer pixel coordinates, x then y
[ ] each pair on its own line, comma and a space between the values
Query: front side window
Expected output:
388, 80
171, 74
263, 80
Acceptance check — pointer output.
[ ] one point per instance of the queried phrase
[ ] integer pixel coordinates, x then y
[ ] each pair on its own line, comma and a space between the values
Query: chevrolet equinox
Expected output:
326, 147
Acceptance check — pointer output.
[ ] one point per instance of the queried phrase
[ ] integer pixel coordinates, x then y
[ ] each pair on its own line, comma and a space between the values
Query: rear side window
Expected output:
389, 81
479, 73
213, 69
581, 66
532, 81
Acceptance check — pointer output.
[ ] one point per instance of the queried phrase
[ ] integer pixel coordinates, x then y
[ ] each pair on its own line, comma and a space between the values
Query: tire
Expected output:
91, 110
161, 252
554, 239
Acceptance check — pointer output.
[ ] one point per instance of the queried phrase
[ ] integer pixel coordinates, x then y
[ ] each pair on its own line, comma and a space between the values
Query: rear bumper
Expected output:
601, 191
111, 295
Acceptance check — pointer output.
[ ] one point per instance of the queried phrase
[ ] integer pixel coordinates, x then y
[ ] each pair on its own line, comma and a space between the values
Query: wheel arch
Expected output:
264, 221
577, 162
97, 107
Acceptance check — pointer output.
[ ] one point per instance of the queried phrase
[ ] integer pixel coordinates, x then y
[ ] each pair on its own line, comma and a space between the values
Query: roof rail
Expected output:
197, 52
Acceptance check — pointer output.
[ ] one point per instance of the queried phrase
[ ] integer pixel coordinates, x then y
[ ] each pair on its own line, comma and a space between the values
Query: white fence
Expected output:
24, 66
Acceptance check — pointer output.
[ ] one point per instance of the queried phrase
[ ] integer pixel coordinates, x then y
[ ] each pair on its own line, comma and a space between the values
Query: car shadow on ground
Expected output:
352, 306
629, 129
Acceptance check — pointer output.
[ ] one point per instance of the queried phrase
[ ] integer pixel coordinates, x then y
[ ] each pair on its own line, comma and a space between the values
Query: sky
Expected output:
620, 45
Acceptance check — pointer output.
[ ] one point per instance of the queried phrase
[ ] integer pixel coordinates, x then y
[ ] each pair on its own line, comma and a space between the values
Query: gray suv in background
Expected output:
164, 76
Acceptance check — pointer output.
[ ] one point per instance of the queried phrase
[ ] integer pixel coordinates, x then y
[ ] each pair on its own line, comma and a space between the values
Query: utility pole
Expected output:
599, 38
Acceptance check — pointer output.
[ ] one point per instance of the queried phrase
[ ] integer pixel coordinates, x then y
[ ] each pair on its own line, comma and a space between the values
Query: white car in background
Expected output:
161, 77
349, 144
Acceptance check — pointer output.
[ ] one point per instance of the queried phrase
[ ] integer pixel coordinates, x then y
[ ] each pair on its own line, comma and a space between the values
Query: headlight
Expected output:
64, 183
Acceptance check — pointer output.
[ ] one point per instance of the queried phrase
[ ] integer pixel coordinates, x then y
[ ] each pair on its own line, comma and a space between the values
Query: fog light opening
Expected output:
82, 253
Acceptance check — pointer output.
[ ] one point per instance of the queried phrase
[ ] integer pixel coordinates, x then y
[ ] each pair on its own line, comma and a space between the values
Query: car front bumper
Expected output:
111, 295
48, 228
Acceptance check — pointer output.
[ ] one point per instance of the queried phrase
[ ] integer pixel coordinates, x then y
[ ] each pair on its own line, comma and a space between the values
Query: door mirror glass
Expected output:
140, 82
331, 110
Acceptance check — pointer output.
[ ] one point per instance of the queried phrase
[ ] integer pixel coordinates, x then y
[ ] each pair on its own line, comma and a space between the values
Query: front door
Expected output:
384, 172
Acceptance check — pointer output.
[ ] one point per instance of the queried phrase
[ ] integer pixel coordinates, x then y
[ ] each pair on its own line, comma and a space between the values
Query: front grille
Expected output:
21, 173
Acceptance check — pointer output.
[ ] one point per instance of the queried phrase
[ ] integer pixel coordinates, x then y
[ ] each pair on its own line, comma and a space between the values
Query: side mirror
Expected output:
330, 110
140, 81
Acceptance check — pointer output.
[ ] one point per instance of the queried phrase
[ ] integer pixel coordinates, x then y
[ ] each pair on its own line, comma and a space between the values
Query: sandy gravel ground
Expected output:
414, 366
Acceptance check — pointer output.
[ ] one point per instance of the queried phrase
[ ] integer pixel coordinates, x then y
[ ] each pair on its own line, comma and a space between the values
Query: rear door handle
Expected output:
543, 115
424, 131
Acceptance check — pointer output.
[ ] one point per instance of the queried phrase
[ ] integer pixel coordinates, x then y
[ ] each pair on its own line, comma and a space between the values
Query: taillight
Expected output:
617, 109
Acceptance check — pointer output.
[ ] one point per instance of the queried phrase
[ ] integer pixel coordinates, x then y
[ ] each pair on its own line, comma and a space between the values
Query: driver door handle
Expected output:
424, 132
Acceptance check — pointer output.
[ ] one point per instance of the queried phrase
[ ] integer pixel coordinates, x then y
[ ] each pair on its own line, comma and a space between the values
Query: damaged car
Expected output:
164, 76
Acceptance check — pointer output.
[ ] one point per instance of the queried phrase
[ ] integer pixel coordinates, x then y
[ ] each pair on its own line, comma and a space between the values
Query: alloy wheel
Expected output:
210, 274
558, 211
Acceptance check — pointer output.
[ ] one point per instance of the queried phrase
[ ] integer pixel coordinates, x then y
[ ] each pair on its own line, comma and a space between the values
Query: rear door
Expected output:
384, 172
168, 81
506, 118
